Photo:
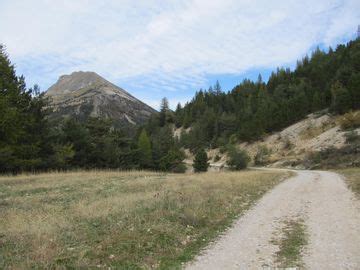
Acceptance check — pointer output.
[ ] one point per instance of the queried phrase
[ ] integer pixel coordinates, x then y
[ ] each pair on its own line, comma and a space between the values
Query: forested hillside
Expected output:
30, 141
324, 80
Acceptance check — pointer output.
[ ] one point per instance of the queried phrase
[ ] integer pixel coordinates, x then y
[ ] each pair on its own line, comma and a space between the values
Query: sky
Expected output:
172, 48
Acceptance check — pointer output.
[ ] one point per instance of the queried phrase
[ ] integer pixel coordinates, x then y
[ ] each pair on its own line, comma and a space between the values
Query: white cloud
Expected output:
169, 45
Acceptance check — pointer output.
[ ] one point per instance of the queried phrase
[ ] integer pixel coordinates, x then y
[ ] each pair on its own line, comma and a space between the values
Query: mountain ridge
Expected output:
84, 94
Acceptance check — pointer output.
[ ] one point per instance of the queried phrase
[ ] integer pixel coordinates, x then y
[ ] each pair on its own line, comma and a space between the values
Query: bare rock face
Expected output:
86, 94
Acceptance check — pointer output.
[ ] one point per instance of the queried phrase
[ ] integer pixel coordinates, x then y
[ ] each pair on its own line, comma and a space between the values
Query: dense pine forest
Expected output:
29, 141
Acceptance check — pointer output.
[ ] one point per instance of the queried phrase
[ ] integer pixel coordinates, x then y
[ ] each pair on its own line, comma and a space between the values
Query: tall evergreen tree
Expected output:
201, 161
144, 146
354, 89
316, 102
217, 88
164, 109
341, 99
22, 121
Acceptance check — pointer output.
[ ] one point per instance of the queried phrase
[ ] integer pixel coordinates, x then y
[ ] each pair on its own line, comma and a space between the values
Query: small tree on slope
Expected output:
201, 161
238, 159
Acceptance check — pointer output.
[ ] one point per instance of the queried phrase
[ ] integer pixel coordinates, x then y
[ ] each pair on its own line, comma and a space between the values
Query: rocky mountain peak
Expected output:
87, 94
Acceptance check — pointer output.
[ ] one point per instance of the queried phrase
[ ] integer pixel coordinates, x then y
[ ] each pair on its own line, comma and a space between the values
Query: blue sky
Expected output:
156, 48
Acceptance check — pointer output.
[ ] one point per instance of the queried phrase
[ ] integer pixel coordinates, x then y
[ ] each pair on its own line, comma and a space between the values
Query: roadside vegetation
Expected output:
352, 178
123, 220
293, 239
238, 159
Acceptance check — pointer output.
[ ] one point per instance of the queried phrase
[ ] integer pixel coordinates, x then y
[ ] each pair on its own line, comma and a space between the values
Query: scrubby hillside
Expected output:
298, 144
319, 140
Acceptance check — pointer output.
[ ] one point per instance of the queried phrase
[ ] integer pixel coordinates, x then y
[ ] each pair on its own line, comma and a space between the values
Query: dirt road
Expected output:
331, 215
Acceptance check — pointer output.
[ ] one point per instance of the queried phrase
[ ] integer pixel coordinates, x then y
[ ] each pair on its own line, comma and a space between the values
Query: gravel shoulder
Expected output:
331, 214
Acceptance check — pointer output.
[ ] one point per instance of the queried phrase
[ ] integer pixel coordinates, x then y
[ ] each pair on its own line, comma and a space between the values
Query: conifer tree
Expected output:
201, 161
22, 121
144, 146
217, 88
354, 88
341, 99
164, 109
316, 102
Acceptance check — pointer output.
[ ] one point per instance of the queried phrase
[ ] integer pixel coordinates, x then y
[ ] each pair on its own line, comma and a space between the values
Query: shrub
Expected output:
352, 137
233, 139
238, 159
179, 168
262, 154
222, 149
350, 120
173, 161
201, 161
287, 144
217, 158
347, 156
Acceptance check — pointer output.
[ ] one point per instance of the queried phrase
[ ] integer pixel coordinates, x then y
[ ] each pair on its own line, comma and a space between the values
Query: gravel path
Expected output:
332, 218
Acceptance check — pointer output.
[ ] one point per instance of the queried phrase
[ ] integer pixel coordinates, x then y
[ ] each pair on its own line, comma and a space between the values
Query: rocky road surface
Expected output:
331, 214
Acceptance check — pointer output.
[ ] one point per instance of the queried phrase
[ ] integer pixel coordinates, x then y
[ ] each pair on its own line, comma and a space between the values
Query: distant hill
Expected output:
86, 94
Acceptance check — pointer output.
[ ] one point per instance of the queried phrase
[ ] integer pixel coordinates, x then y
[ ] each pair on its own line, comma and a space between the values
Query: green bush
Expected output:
350, 120
262, 155
201, 161
173, 161
179, 168
352, 137
217, 158
238, 159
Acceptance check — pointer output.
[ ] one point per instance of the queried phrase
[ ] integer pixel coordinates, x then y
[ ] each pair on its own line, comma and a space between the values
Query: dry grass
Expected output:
119, 219
352, 178
350, 120
313, 131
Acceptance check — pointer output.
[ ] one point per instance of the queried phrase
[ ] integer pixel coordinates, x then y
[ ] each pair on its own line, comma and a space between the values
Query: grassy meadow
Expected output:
127, 220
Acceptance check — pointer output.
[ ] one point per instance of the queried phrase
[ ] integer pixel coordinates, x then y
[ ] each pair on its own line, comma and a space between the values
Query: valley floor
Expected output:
311, 220
136, 220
